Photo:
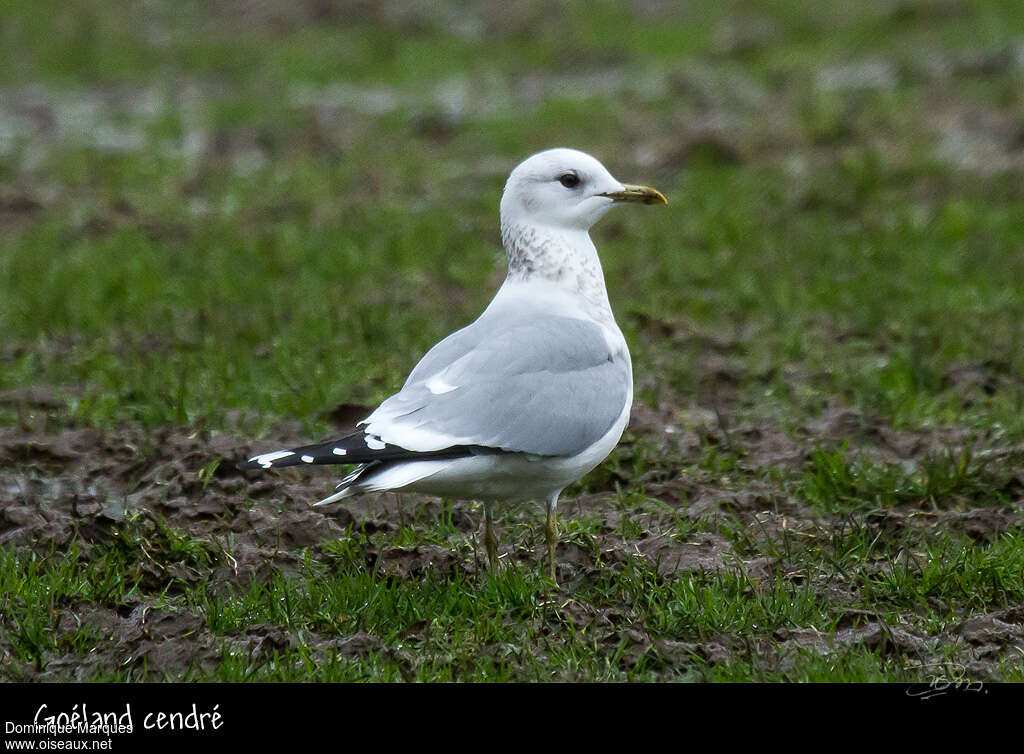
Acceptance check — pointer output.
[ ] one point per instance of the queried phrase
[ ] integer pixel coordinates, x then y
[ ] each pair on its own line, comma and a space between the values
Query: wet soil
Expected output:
75, 492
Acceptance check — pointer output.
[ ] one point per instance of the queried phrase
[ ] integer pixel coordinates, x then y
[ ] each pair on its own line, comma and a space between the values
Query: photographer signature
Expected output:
952, 678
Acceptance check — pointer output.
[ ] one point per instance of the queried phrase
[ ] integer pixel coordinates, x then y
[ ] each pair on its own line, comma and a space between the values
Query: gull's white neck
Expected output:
563, 258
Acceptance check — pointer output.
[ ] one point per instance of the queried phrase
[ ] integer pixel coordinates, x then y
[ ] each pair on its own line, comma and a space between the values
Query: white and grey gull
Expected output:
532, 395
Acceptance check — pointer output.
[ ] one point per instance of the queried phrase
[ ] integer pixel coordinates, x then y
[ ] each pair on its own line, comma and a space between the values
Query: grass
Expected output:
833, 483
223, 223
434, 628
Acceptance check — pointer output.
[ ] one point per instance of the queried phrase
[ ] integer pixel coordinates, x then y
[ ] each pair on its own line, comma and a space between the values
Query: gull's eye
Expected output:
569, 180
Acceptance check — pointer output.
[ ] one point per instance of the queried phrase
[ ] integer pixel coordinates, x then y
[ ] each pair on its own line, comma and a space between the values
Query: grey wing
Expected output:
545, 385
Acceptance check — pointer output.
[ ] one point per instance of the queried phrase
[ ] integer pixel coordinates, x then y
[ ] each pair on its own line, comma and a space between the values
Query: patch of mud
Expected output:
83, 486
782, 651
867, 74
974, 381
941, 65
981, 140
152, 642
416, 562
716, 358
744, 34
983, 525
263, 641
702, 553
157, 643
873, 635
765, 445
714, 504
992, 639
867, 435
34, 396
663, 427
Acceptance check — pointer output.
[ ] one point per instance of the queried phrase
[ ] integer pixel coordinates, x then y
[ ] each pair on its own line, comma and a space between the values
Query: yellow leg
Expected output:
490, 541
552, 535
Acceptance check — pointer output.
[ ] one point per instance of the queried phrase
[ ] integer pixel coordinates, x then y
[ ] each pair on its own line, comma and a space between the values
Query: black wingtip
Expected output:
355, 448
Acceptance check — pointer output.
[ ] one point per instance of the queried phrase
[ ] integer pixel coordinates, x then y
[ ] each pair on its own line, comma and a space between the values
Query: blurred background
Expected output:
229, 213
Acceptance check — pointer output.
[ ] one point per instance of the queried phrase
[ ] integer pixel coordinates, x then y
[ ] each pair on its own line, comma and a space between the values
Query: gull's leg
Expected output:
552, 533
490, 541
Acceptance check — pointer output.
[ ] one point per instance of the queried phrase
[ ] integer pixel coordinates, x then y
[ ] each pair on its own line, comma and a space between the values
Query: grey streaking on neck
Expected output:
566, 257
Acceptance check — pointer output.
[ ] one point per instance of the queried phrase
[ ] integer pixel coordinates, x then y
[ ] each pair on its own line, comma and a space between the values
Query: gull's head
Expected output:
566, 188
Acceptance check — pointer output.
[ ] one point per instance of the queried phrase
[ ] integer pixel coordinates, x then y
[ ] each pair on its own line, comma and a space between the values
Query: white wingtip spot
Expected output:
373, 443
307, 459
266, 460
340, 452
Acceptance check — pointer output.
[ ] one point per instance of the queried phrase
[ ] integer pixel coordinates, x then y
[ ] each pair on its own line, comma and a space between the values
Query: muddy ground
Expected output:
76, 492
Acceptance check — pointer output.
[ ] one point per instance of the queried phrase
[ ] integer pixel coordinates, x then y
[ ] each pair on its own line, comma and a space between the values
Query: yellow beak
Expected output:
642, 194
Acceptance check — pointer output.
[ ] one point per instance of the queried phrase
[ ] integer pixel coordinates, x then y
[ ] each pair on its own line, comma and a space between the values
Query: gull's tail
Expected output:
347, 486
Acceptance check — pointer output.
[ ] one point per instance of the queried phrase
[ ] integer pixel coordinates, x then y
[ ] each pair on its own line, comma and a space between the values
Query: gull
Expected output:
532, 395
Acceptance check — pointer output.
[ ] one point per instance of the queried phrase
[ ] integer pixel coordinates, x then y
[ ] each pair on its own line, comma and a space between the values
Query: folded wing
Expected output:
546, 385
